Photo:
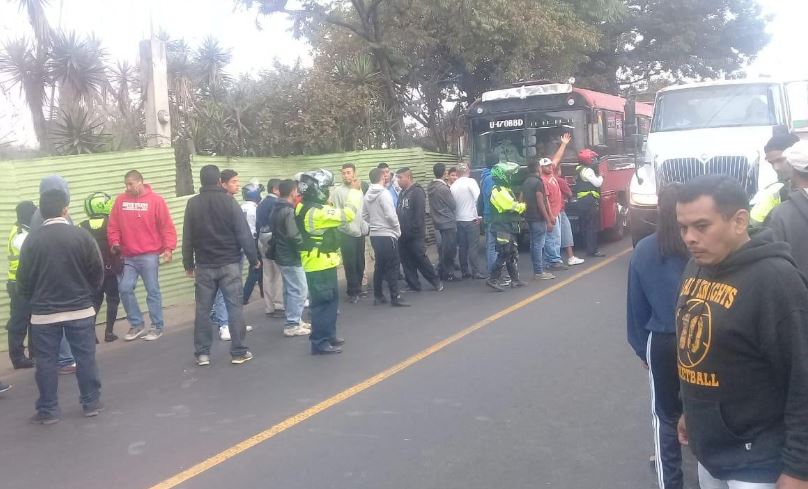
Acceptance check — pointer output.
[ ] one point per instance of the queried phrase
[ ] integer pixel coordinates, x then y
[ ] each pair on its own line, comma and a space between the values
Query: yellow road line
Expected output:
298, 418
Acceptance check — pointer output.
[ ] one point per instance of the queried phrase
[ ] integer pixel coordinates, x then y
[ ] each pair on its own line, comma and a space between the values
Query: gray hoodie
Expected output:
380, 212
51, 182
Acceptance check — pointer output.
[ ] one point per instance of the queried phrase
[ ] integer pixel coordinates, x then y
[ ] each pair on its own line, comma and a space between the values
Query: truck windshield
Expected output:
716, 106
519, 137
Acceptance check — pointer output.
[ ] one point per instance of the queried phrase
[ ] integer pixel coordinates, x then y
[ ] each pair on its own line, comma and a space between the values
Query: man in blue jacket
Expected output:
486, 187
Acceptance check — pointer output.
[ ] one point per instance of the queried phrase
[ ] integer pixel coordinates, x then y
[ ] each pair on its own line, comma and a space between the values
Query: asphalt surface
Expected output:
549, 395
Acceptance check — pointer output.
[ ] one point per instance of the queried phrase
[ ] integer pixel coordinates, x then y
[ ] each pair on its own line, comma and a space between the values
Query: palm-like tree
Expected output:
76, 132
24, 66
210, 61
78, 67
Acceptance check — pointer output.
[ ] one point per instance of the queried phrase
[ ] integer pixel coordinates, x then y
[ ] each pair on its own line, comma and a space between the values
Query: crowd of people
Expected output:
718, 314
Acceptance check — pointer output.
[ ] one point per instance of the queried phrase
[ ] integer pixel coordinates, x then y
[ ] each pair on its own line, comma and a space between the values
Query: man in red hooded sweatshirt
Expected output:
141, 229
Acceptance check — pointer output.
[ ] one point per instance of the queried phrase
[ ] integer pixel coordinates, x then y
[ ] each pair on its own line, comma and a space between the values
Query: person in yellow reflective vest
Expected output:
506, 223
318, 223
770, 197
587, 192
19, 322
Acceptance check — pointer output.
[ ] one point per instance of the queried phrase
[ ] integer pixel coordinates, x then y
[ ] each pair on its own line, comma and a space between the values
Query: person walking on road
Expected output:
654, 276
141, 229
742, 345
284, 250
466, 193
318, 223
411, 212
380, 214
506, 221
273, 281
60, 271
587, 192
352, 234
19, 321
229, 181
537, 216
442, 208
789, 220
214, 236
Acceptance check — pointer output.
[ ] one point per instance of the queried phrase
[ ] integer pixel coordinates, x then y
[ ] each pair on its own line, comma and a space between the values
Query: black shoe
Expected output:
93, 409
325, 350
479, 276
353, 299
42, 418
452, 278
517, 283
438, 286
4, 387
494, 285
559, 266
598, 254
379, 300
410, 289
110, 337
336, 341
24, 363
397, 302
466, 276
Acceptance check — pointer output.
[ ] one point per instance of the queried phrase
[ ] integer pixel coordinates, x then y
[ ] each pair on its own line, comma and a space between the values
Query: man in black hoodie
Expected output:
742, 345
442, 208
411, 211
214, 234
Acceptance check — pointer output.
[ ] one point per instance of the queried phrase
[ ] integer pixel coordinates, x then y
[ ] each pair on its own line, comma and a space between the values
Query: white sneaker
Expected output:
575, 261
203, 360
153, 334
296, 331
224, 332
249, 328
305, 326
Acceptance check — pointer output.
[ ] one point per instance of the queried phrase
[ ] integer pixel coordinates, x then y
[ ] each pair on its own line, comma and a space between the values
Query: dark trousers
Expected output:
352, 249
468, 244
323, 306
447, 251
208, 280
19, 325
110, 289
80, 335
589, 210
412, 252
387, 265
666, 408
507, 254
254, 276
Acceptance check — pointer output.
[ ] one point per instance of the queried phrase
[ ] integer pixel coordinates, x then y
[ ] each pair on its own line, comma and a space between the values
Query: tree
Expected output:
23, 66
676, 39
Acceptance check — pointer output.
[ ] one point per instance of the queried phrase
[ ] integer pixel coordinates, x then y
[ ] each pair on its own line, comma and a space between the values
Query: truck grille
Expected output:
683, 169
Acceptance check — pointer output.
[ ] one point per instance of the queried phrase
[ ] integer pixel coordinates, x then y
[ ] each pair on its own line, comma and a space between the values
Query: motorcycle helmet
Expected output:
252, 192
503, 173
98, 204
313, 185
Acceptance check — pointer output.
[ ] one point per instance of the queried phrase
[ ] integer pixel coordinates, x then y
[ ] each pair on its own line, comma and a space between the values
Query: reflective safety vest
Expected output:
765, 202
320, 223
584, 188
503, 201
15, 241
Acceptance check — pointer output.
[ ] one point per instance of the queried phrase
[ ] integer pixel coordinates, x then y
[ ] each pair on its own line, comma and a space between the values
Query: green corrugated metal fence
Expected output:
104, 172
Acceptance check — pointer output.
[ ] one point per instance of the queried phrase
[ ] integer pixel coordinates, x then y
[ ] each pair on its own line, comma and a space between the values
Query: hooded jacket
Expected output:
51, 182
486, 187
441, 205
411, 212
742, 349
141, 224
380, 212
215, 231
287, 242
789, 221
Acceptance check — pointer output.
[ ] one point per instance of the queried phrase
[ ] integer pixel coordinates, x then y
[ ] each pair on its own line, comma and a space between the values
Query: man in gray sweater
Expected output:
380, 213
789, 220
442, 208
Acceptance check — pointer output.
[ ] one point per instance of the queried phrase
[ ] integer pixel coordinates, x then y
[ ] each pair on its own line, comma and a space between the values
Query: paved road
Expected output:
549, 395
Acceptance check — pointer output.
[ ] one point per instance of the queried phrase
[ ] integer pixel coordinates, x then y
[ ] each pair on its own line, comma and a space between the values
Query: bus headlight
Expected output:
644, 200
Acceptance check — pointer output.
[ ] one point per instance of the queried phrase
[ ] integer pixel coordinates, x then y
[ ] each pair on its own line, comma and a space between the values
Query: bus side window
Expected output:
597, 129
614, 132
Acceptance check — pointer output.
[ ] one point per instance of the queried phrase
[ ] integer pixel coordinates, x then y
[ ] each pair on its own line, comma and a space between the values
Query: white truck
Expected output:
713, 128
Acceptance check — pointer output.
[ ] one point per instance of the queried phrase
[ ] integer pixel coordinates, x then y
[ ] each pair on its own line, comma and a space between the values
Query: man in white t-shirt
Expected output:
466, 192
252, 197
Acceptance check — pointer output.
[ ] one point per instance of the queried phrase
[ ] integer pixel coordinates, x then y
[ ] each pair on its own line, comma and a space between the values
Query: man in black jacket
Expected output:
789, 220
284, 250
411, 211
60, 271
214, 234
742, 345
442, 208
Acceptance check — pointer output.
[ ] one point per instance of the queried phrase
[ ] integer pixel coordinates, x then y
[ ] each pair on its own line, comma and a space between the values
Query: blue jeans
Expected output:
324, 306
295, 292
218, 313
538, 233
567, 240
552, 246
145, 266
80, 335
490, 247
227, 279
65, 354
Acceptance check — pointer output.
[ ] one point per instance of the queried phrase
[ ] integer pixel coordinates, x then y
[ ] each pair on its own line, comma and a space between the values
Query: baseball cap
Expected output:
545, 162
587, 156
797, 156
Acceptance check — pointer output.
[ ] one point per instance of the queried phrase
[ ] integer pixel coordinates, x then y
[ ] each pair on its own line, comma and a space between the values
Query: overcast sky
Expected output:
120, 24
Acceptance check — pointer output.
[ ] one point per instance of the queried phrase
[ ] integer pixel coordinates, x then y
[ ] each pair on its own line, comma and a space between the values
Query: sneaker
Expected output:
494, 284
306, 326
42, 418
24, 363
559, 266
296, 330
203, 360
249, 328
93, 410
544, 276
575, 261
517, 283
241, 359
153, 334
110, 337
4, 387
133, 334
68, 369
224, 332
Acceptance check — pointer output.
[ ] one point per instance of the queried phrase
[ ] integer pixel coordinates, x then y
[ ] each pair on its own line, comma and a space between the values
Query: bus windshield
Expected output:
520, 137
716, 106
